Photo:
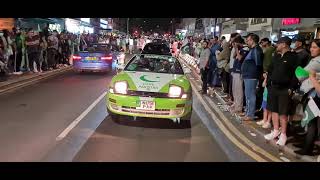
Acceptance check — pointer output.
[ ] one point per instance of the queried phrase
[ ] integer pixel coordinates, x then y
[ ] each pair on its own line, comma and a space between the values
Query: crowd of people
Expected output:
260, 81
28, 51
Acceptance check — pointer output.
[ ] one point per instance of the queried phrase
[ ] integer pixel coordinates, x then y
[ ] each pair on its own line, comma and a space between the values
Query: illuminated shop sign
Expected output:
87, 20
290, 34
290, 21
104, 26
103, 21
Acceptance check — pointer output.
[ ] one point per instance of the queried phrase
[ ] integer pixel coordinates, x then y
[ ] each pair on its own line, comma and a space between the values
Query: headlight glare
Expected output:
121, 87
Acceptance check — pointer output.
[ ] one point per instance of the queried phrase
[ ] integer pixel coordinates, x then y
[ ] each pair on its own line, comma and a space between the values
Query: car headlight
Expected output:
121, 87
175, 91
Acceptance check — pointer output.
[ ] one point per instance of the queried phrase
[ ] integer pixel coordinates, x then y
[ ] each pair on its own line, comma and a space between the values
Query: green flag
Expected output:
301, 73
310, 112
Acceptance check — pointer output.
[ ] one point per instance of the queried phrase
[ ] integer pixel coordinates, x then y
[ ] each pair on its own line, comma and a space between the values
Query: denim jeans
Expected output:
250, 93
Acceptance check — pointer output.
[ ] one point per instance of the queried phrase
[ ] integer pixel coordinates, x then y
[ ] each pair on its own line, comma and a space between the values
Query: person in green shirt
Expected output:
20, 51
268, 52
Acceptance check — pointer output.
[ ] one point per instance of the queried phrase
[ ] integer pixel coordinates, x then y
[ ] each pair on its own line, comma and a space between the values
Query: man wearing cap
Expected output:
298, 47
281, 82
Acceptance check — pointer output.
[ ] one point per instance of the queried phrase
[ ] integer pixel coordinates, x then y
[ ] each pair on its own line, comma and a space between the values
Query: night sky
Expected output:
152, 24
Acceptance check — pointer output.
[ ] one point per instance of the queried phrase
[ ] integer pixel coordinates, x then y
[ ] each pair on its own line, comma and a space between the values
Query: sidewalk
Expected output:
18, 81
220, 100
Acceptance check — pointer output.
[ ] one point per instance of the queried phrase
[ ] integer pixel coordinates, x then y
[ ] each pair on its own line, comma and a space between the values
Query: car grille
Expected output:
155, 112
148, 94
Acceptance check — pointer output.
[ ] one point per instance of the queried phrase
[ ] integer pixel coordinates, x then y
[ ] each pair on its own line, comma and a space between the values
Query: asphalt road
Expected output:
33, 117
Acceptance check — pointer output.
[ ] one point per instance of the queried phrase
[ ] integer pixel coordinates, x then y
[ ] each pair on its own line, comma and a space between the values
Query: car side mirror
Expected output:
186, 70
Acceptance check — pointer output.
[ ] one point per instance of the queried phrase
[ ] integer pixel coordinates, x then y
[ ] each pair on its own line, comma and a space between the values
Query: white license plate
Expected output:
147, 105
91, 58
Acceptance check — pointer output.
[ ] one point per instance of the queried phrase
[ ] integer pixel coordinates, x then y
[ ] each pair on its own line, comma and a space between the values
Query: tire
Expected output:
114, 116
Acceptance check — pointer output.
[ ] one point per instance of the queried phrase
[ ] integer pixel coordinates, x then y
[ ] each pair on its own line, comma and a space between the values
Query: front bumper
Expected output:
165, 107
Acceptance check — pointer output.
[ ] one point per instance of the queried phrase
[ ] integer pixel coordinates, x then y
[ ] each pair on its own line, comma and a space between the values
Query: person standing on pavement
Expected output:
52, 50
65, 50
213, 69
204, 66
298, 47
232, 59
223, 59
20, 51
281, 80
43, 48
131, 45
251, 70
313, 132
268, 53
237, 81
33, 50
7, 49
175, 48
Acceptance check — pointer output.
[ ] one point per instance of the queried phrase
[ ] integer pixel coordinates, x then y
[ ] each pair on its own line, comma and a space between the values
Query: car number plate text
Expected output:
146, 105
91, 58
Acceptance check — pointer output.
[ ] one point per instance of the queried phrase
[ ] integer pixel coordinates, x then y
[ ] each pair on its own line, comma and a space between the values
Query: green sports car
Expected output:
151, 86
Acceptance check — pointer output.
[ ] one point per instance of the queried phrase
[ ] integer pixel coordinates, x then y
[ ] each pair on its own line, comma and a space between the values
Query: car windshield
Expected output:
106, 48
154, 63
156, 48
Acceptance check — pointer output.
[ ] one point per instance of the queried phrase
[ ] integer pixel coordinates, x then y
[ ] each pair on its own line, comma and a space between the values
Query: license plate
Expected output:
146, 105
91, 58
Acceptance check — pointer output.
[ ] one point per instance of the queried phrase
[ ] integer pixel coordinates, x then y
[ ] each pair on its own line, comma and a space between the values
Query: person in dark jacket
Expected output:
213, 71
298, 47
281, 81
251, 70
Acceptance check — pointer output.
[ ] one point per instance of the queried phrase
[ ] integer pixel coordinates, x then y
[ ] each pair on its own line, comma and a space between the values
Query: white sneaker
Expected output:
260, 123
18, 73
282, 140
35, 71
266, 125
272, 135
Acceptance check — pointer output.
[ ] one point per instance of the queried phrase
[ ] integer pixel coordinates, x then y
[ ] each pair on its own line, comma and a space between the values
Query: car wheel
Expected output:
114, 116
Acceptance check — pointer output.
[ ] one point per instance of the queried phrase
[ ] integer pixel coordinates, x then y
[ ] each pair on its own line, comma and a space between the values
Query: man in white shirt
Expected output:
204, 66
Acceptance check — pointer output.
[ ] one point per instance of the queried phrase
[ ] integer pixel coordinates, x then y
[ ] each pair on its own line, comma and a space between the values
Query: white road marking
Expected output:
80, 117
285, 159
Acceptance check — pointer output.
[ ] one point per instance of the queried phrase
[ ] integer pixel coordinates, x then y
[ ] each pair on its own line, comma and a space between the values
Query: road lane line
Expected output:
226, 131
230, 126
239, 134
80, 117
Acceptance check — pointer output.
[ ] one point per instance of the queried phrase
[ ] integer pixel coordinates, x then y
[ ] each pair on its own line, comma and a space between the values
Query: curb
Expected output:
31, 80
284, 149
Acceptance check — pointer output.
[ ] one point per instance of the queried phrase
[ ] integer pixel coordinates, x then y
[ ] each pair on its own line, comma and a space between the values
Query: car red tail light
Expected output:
106, 58
76, 57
